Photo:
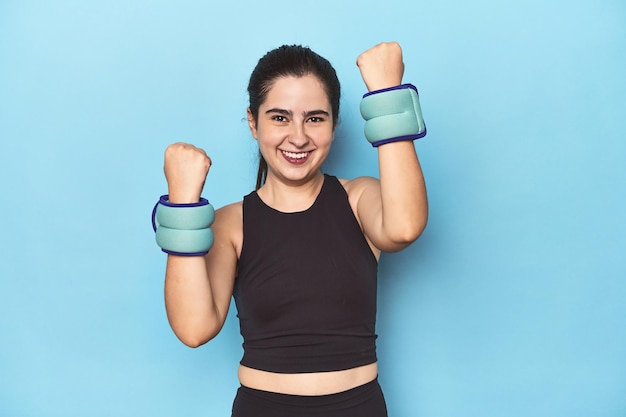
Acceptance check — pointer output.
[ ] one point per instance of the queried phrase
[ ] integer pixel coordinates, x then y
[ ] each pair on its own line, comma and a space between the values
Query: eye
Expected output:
279, 118
316, 119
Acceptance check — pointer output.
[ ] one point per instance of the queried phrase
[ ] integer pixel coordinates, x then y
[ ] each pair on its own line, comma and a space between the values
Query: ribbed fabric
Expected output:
306, 287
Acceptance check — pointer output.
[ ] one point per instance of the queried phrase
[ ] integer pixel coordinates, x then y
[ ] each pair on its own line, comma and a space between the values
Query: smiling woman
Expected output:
295, 62
300, 253
294, 130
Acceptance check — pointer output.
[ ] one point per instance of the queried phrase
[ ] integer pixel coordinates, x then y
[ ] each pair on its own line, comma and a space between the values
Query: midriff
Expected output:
314, 383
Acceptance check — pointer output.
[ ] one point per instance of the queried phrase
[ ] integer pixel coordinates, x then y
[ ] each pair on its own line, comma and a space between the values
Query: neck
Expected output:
291, 198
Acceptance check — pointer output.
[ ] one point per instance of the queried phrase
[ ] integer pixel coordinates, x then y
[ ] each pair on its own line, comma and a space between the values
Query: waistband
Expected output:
347, 398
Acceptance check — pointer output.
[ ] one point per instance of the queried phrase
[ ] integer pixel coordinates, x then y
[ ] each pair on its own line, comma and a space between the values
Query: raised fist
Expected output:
381, 66
186, 168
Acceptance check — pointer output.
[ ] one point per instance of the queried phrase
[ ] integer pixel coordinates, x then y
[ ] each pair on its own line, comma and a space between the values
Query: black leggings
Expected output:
363, 401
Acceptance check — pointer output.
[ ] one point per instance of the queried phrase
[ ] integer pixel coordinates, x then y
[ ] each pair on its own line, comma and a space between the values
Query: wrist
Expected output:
182, 197
392, 114
183, 228
383, 85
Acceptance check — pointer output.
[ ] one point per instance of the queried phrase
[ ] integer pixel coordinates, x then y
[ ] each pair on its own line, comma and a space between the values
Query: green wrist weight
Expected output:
392, 114
184, 216
183, 229
184, 242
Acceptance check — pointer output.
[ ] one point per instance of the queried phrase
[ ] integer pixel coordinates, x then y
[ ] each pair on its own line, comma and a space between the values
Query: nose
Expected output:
298, 136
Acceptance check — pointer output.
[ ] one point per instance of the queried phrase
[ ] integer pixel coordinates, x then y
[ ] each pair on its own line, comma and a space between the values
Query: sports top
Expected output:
306, 286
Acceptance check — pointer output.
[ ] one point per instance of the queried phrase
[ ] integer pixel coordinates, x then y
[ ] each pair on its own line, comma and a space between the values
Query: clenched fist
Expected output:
186, 168
381, 66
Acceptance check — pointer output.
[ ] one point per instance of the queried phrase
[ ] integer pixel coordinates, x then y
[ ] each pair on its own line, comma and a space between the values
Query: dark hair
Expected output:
284, 61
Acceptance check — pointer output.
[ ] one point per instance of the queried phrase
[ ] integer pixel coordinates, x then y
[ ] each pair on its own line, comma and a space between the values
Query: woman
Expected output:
300, 253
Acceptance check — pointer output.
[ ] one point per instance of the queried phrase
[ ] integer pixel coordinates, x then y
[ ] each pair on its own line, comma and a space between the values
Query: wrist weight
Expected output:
183, 229
392, 114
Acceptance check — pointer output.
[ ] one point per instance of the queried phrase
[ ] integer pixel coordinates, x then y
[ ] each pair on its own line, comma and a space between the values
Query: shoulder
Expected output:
359, 191
355, 187
228, 225
359, 187
230, 216
230, 210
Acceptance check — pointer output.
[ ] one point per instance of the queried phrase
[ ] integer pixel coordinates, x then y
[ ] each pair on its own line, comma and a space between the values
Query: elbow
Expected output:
412, 229
193, 341
417, 226
193, 330
405, 228
405, 235
410, 234
195, 338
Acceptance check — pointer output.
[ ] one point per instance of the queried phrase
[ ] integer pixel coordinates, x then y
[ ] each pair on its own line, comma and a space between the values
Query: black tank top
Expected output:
306, 286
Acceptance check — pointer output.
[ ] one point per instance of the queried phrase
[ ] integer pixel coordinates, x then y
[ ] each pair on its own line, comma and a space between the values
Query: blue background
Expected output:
512, 303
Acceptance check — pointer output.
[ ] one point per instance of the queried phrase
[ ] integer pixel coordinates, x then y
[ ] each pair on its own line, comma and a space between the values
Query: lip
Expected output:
296, 158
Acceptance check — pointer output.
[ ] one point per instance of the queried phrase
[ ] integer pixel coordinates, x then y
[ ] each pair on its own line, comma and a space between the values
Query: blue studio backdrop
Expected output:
513, 301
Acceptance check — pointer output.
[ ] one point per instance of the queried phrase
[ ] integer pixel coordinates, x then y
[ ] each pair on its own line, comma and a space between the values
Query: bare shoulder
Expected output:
228, 225
356, 186
356, 189
230, 212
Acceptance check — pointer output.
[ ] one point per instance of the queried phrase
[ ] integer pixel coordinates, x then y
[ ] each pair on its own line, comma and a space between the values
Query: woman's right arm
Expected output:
198, 289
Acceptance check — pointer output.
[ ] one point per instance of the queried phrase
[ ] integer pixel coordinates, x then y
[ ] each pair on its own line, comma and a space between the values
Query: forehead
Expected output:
306, 91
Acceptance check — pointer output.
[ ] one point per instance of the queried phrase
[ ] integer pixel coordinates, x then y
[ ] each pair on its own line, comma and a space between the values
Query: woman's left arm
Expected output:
393, 211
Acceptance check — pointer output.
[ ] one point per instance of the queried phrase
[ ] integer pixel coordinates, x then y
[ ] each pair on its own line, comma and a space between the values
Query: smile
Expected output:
295, 155
296, 158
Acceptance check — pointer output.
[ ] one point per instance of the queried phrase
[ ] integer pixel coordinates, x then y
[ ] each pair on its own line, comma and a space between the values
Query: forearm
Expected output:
402, 191
395, 210
189, 300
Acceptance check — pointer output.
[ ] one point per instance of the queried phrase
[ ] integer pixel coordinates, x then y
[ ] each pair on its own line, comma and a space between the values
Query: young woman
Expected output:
300, 253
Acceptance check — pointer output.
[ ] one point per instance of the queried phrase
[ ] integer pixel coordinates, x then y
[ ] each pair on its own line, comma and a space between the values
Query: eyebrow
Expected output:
305, 114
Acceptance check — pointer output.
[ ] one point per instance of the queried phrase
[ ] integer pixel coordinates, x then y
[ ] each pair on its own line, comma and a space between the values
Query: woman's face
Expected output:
294, 128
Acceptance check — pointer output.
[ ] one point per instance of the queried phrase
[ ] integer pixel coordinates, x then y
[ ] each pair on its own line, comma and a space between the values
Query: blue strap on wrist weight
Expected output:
183, 229
392, 114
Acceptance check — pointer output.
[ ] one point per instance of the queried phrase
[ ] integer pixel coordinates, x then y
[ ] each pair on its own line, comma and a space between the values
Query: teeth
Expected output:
295, 155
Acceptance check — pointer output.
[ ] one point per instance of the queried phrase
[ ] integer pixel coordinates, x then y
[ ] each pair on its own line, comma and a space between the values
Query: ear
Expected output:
252, 124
